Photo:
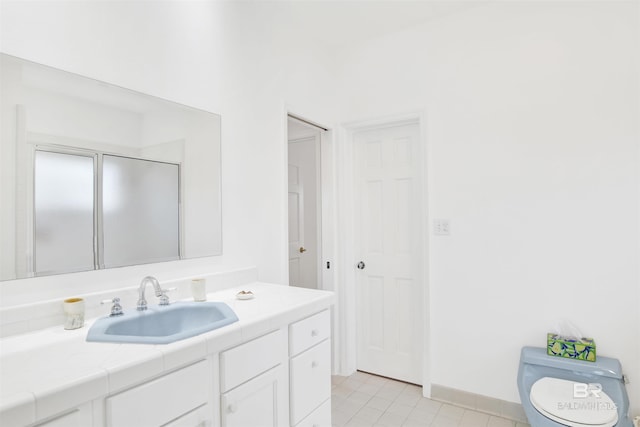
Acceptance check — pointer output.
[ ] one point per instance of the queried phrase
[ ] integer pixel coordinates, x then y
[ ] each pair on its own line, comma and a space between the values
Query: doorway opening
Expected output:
305, 203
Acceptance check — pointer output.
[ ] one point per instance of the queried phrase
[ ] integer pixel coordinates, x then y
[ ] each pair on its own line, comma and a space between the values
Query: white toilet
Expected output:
557, 391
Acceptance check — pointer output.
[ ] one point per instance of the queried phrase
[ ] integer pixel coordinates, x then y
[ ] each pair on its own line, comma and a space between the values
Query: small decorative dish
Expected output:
244, 295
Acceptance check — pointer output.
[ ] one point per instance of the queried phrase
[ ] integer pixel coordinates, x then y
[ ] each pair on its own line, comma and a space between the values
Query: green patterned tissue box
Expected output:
572, 348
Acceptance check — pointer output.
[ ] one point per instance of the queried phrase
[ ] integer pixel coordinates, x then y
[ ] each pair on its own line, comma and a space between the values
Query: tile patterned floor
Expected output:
364, 400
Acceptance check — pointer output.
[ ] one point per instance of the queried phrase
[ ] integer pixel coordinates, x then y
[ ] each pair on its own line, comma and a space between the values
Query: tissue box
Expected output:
572, 348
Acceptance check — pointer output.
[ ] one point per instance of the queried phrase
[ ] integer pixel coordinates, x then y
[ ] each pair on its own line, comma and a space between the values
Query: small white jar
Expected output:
73, 313
199, 289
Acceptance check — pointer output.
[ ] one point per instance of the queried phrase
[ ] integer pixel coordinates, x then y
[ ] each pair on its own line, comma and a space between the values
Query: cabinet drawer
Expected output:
321, 417
161, 400
308, 332
82, 416
249, 360
310, 380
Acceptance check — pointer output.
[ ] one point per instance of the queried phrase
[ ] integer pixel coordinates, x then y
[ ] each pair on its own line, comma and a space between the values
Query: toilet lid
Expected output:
571, 405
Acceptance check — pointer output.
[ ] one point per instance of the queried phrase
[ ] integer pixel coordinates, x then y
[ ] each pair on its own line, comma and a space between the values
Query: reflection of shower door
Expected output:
64, 200
140, 211
94, 211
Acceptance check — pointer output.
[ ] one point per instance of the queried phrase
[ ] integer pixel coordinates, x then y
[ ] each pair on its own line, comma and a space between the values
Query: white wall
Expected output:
221, 57
532, 131
168, 49
165, 49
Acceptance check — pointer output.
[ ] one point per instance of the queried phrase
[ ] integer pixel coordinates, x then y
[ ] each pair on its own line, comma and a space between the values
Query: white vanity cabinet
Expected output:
180, 398
310, 371
270, 369
253, 383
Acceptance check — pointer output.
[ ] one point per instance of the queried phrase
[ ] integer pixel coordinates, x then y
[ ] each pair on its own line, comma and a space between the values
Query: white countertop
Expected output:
45, 372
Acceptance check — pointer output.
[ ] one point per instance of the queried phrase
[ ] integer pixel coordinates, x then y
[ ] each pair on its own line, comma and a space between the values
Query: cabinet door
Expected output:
321, 417
197, 418
263, 401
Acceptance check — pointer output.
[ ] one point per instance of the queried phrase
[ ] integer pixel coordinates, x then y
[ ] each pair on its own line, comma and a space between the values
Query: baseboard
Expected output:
478, 402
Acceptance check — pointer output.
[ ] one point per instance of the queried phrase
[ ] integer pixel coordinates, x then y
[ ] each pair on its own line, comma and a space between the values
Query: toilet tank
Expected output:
539, 359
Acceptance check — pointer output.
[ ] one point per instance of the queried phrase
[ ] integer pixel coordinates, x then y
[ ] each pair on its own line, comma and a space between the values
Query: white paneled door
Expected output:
389, 270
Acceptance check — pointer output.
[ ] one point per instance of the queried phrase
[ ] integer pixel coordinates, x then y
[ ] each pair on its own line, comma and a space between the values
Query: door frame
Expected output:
325, 192
328, 219
347, 252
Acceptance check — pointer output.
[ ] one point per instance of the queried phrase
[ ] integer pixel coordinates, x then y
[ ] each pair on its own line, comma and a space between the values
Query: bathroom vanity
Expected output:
271, 368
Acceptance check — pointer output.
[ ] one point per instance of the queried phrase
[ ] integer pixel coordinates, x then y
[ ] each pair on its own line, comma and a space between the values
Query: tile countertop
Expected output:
46, 372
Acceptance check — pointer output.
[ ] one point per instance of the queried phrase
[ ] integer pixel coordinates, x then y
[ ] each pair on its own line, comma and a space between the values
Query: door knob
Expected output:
361, 265
302, 249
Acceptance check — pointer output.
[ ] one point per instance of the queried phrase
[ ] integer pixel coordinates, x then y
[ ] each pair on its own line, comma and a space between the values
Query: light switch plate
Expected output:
441, 227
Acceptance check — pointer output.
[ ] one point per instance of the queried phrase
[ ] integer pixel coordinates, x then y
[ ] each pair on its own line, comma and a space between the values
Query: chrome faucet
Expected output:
160, 293
116, 309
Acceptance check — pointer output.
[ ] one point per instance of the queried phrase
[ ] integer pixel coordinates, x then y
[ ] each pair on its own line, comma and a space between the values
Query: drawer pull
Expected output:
315, 364
315, 333
232, 408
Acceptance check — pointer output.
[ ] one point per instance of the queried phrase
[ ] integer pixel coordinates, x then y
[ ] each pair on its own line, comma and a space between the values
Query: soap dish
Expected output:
244, 295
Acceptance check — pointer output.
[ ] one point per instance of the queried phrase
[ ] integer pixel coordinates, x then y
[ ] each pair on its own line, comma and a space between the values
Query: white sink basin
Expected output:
162, 324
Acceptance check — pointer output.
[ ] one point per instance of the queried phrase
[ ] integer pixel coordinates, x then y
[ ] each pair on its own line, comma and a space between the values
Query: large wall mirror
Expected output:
97, 176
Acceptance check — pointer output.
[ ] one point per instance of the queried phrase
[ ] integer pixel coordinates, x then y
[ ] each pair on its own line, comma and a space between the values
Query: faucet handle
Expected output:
164, 298
116, 309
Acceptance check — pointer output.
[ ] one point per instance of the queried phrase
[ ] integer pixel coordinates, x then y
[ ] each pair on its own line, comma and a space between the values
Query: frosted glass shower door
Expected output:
63, 212
140, 208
